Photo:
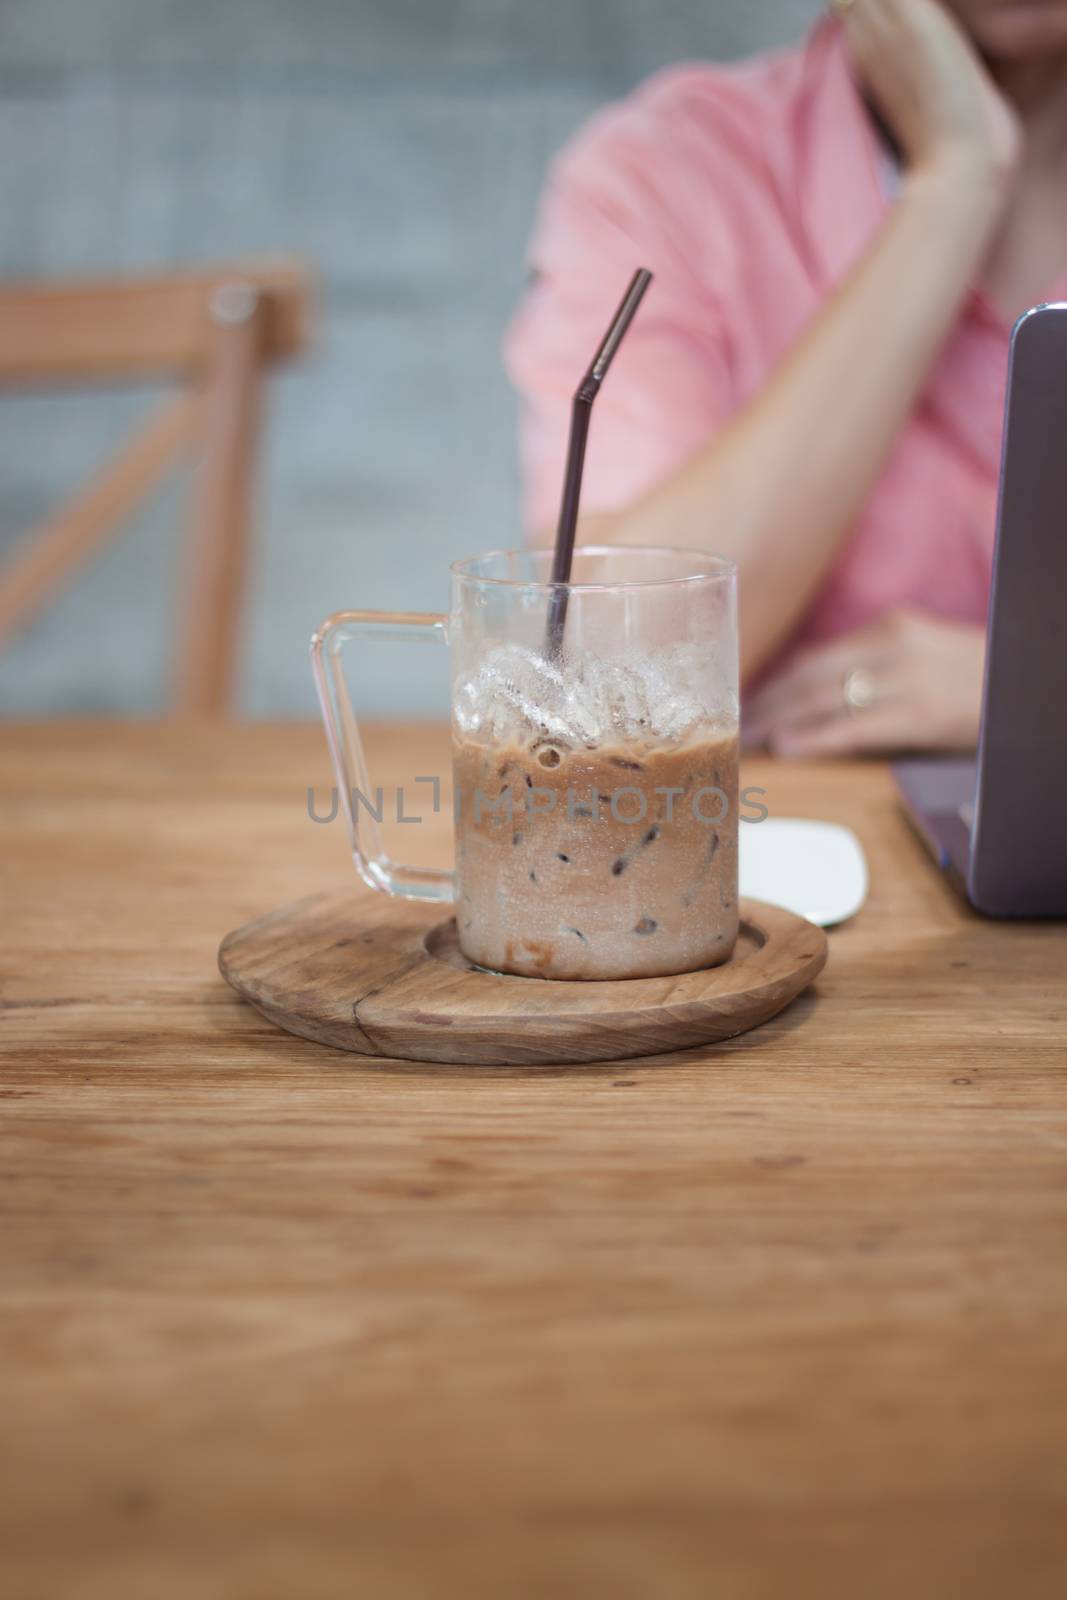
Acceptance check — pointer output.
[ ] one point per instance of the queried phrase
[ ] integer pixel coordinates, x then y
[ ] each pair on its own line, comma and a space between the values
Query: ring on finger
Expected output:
859, 690
839, 7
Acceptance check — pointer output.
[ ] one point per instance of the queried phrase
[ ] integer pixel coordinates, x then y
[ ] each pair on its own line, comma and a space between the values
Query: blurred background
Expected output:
398, 147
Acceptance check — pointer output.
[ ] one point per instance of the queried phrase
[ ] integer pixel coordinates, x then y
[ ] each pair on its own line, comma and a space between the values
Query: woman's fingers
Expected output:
930, 84
805, 696
812, 689
849, 733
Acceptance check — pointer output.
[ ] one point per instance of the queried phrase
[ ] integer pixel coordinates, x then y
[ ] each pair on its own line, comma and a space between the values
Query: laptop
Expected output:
998, 826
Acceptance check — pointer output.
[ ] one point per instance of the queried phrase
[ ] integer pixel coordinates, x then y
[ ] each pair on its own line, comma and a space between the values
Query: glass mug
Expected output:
595, 761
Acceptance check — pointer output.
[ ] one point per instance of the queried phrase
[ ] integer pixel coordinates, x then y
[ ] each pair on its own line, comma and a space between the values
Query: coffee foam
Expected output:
665, 698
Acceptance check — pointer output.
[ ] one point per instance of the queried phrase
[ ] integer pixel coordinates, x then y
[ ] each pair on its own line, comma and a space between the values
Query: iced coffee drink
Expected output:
596, 815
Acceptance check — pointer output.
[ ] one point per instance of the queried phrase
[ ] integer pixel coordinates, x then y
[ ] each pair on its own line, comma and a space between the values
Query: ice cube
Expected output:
665, 696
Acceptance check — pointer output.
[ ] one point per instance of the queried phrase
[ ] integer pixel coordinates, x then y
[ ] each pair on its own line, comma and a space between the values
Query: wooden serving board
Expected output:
386, 978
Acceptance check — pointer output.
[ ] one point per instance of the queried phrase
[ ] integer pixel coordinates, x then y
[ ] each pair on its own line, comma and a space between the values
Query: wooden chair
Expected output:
216, 333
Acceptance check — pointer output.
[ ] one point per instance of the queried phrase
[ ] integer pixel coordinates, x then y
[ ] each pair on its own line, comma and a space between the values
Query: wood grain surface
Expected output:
278, 1321
387, 977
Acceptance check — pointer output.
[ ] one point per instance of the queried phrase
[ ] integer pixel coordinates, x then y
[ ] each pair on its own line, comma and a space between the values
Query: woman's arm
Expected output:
780, 487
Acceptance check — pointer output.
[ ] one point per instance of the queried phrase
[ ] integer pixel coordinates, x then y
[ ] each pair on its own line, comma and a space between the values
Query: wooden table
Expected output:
784, 1317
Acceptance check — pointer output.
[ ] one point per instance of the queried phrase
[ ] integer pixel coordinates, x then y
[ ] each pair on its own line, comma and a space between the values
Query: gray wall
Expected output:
399, 144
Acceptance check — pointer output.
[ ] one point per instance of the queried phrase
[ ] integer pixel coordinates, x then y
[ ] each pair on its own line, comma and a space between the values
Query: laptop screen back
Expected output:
1019, 842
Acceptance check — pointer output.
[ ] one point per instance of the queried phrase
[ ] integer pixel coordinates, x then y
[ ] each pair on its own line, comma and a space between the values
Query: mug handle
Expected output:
346, 747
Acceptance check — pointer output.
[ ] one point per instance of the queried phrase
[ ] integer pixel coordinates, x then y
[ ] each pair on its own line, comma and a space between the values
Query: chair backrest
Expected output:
214, 334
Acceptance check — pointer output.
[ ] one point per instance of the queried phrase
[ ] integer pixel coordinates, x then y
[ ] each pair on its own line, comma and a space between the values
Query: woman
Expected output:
842, 238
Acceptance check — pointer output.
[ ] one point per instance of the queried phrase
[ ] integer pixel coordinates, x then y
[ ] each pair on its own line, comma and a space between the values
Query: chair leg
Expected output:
222, 504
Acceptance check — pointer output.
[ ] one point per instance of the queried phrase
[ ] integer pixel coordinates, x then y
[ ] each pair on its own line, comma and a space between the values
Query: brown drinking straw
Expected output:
581, 413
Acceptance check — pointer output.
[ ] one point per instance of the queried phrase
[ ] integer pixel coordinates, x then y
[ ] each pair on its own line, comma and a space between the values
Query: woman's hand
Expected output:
931, 86
907, 682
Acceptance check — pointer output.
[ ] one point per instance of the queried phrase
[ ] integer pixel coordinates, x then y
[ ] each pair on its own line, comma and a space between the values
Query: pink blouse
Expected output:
750, 191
